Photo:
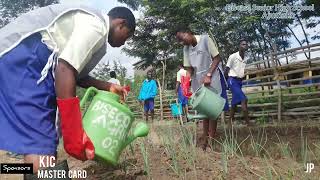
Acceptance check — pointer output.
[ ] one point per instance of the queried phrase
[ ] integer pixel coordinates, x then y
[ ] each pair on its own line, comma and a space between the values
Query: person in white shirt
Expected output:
235, 72
113, 78
181, 98
44, 55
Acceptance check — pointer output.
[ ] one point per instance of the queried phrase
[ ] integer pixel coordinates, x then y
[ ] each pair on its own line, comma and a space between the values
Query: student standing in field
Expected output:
235, 72
44, 54
147, 94
113, 78
201, 57
181, 97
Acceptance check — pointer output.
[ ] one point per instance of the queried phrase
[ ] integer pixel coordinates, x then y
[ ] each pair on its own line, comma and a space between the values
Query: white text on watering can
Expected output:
114, 121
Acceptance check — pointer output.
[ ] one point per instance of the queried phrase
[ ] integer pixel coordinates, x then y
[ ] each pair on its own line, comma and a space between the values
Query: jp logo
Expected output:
310, 167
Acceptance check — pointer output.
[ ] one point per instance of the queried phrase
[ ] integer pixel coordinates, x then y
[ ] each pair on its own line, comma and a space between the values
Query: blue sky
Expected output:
100, 4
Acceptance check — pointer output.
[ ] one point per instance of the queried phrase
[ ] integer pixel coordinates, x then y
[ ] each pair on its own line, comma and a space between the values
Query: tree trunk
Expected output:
265, 49
163, 73
305, 35
287, 61
160, 97
264, 63
284, 48
277, 74
295, 36
307, 40
259, 44
265, 52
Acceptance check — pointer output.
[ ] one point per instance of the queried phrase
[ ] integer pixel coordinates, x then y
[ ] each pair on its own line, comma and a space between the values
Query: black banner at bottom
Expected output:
16, 168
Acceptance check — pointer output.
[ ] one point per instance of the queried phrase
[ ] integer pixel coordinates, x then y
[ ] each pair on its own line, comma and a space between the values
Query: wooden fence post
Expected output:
160, 97
162, 86
277, 77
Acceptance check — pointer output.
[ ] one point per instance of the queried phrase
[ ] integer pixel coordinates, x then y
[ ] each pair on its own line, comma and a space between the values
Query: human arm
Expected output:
226, 72
186, 62
154, 89
228, 66
177, 87
178, 81
65, 80
89, 81
215, 57
75, 140
215, 62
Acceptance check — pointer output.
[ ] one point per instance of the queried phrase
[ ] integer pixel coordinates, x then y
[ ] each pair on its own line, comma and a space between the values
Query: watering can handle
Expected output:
195, 94
209, 87
87, 94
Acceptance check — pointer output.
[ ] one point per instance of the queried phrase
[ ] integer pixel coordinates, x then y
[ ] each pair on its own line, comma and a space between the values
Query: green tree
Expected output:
154, 40
102, 72
10, 9
134, 4
137, 83
312, 17
121, 72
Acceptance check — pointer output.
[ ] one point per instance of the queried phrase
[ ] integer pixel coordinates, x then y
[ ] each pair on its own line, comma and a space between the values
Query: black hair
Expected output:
124, 13
242, 39
182, 28
113, 74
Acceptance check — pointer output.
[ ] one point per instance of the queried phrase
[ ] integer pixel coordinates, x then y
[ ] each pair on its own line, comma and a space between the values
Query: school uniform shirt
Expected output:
212, 48
76, 36
200, 59
181, 98
114, 81
180, 73
236, 65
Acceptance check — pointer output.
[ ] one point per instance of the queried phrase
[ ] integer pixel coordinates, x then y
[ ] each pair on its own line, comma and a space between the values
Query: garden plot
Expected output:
170, 152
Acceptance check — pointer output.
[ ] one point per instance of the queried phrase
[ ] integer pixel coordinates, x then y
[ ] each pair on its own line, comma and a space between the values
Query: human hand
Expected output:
226, 76
121, 91
206, 80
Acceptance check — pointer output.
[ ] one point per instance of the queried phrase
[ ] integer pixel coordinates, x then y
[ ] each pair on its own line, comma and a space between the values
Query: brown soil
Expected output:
270, 162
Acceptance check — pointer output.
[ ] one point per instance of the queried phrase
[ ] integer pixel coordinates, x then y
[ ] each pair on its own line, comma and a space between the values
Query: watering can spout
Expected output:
141, 130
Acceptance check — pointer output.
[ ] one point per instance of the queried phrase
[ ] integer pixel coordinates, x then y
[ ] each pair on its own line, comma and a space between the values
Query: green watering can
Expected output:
107, 122
207, 103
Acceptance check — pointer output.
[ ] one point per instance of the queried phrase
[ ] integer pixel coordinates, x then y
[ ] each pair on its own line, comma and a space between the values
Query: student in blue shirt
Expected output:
147, 93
